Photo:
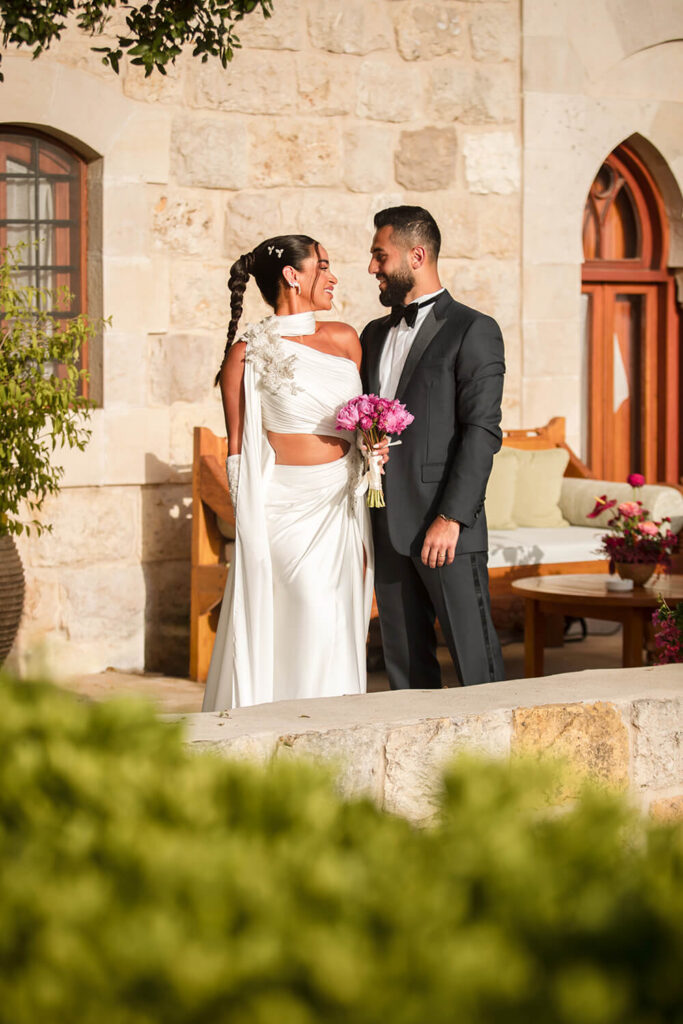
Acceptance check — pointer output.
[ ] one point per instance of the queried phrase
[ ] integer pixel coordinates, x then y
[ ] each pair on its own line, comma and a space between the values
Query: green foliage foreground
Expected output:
143, 883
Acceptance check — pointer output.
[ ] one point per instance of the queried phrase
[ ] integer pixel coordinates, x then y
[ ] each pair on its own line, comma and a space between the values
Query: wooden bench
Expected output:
552, 435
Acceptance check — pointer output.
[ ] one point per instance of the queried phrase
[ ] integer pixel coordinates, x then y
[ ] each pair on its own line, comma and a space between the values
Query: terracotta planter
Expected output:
11, 593
639, 572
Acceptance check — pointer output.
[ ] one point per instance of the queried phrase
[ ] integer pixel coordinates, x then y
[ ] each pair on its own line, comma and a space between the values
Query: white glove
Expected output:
232, 468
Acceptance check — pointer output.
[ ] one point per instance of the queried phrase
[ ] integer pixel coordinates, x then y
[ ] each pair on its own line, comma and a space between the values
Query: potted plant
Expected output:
635, 544
41, 408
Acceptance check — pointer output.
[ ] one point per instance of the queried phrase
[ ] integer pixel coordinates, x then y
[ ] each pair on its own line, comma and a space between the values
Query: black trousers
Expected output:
410, 596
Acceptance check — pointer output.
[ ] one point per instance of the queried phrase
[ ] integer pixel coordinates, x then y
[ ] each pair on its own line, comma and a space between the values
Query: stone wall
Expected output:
333, 109
622, 727
596, 73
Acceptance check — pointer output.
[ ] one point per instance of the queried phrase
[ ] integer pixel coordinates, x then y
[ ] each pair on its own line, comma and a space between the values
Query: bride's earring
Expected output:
295, 284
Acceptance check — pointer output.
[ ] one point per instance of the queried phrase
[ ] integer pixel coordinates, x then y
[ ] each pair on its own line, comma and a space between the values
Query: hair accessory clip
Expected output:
279, 253
270, 250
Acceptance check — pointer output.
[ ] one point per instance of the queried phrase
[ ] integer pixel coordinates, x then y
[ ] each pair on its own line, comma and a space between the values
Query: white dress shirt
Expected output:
397, 346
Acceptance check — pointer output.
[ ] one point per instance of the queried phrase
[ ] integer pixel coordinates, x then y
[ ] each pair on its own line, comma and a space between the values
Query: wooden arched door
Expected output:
632, 398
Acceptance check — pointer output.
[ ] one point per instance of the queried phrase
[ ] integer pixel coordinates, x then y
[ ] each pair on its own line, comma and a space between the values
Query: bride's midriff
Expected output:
306, 449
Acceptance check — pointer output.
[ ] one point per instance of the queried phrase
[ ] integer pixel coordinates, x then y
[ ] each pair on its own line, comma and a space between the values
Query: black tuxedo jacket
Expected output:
452, 383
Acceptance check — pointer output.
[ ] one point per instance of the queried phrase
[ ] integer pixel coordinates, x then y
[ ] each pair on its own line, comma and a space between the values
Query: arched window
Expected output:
43, 201
631, 372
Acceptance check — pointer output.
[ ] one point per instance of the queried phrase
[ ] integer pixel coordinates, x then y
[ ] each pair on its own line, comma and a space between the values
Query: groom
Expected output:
445, 362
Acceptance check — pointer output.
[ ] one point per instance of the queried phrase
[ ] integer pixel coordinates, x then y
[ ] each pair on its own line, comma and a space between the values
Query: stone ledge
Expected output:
623, 725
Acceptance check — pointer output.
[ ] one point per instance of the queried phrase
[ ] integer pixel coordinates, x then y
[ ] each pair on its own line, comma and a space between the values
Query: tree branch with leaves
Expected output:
155, 31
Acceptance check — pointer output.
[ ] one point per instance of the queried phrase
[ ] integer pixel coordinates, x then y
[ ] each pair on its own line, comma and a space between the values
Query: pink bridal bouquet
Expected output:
375, 417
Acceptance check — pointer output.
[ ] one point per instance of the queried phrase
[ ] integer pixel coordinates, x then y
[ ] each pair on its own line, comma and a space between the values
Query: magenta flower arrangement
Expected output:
634, 538
668, 626
375, 417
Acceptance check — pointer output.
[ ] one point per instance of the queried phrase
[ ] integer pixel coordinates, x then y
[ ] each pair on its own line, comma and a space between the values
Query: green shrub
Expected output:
141, 883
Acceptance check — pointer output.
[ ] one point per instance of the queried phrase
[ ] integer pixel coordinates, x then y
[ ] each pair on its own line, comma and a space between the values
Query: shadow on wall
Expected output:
166, 540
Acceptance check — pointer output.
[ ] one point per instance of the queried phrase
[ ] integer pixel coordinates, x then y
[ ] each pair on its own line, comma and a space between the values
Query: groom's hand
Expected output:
440, 541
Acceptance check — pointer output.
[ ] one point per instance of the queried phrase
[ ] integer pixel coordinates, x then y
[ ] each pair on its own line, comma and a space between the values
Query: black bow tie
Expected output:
408, 313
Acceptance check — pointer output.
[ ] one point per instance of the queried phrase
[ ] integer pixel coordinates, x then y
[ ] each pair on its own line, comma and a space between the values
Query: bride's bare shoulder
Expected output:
343, 337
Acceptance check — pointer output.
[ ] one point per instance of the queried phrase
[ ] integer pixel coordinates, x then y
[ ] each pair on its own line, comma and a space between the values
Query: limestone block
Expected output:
546, 17
551, 64
494, 32
356, 299
349, 26
326, 84
593, 737
209, 153
199, 295
58, 657
284, 30
256, 748
667, 808
552, 347
167, 616
157, 88
136, 293
89, 525
183, 419
256, 82
125, 228
457, 216
142, 143
341, 221
389, 92
417, 754
555, 122
427, 30
42, 603
499, 224
182, 367
356, 754
85, 468
425, 159
545, 397
136, 446
74, 49
552, 291
474, 95
368, 151
121, 352
183, 222
166, 522
492, 163
103, 602
657, 743
491, 286
252, 216
295, 153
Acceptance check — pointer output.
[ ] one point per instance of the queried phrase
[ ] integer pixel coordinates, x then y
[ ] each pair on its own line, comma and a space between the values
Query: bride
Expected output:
296, 608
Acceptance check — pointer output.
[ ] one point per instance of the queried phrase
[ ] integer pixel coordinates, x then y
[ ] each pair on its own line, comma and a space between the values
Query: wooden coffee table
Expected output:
587, 596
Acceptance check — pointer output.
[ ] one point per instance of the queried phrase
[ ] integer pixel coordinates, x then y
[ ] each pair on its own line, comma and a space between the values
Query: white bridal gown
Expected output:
296, 608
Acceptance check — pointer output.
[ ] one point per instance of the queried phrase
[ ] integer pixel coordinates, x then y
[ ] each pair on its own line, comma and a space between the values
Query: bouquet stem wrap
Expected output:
375, 498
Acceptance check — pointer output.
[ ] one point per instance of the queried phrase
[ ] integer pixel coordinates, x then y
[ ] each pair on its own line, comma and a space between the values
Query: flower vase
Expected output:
639, 572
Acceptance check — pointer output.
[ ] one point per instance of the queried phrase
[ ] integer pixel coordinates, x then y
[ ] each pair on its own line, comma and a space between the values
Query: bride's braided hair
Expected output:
265, 264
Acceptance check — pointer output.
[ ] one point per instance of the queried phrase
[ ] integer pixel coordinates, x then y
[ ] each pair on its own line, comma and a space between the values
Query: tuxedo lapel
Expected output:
374, 353
433, 323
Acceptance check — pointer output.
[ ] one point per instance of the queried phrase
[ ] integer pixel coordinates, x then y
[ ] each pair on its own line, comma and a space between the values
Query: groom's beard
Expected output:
397, 287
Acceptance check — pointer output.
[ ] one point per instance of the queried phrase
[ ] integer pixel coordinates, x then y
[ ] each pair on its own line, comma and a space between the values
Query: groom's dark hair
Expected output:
413, 224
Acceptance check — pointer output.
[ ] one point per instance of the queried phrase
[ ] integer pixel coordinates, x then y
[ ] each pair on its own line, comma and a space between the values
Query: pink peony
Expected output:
630, 509
635, 479
648, 528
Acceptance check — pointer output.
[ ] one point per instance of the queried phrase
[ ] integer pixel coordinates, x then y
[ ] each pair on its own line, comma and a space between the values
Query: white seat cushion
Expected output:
532, 545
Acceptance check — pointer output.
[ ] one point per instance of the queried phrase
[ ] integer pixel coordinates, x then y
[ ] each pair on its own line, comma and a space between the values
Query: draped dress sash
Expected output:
289, 387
